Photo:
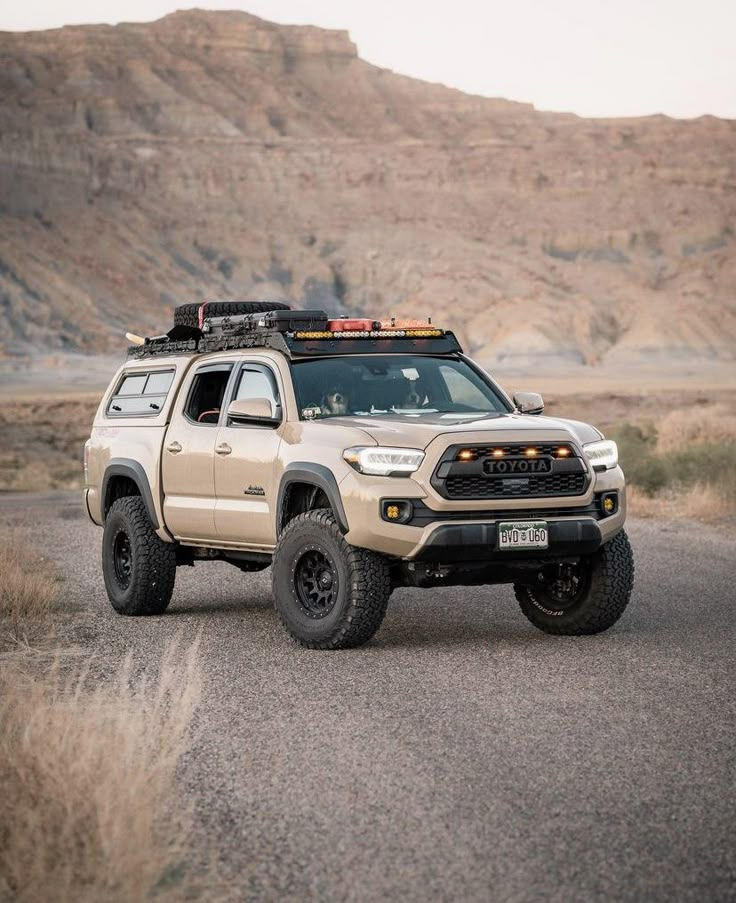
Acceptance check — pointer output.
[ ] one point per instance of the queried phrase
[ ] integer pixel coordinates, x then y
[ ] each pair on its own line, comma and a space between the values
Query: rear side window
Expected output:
141, 394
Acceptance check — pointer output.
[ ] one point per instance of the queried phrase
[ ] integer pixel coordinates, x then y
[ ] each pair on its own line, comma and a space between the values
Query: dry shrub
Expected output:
90, 809
706, 502
640, 503
28, 589
696, 425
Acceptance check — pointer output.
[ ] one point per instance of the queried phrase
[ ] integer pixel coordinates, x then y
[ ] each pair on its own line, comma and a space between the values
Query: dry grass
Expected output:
696, 425
706, 502
28, 591
90, 809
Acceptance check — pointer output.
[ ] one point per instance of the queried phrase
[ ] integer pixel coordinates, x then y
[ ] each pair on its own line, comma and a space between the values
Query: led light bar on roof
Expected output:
372, 334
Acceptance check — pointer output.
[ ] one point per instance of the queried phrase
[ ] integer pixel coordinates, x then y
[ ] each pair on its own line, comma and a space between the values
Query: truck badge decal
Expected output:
254, 490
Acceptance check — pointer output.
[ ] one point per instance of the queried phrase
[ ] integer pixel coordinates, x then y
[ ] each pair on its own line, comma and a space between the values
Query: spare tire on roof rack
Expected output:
191, 314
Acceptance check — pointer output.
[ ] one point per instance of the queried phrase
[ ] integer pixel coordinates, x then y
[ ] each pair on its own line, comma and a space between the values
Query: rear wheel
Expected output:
329, 594
188, 314
584, 597
139, 568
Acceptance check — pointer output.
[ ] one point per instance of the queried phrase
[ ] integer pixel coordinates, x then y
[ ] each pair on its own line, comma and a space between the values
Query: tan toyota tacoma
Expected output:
353, 457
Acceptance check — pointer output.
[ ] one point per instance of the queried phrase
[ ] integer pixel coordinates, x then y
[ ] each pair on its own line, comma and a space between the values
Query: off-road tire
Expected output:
608, 590
152, 562
188, 314
362, 578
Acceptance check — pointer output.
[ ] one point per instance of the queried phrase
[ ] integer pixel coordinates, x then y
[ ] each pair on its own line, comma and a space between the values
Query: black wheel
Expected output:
138, 567
188, 314
329, 594
583, 598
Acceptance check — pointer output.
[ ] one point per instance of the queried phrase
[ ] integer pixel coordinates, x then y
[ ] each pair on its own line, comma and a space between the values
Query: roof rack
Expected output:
302, 334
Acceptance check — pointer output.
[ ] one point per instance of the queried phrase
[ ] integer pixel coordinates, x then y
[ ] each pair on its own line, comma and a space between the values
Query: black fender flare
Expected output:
133, 470
317, 475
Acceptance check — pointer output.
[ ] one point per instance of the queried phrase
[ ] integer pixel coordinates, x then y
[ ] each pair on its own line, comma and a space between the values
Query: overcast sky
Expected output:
593, 57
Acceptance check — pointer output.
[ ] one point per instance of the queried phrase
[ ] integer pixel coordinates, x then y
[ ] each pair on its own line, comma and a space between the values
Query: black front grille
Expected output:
472, 486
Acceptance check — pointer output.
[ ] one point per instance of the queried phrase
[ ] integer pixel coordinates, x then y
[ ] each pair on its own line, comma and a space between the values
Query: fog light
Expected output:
397, 511
609, 503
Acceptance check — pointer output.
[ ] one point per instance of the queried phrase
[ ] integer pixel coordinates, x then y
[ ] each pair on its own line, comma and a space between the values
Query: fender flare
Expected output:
317, 475
133, 470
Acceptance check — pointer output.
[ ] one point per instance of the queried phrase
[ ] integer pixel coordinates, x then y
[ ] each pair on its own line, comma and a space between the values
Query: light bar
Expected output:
374, 334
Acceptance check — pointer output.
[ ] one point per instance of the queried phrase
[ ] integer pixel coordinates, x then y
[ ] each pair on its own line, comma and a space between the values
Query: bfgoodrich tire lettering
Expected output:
604, 592
138, 567
311, 547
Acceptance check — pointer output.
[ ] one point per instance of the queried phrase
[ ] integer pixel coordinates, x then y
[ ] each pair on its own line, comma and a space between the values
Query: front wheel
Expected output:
329, 594
582, 598
139, 568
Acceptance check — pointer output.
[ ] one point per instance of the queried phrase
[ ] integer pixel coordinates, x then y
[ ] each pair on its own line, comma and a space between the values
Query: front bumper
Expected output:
455, 543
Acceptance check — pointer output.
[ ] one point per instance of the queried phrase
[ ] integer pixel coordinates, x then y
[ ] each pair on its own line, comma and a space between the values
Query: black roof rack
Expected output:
296, 334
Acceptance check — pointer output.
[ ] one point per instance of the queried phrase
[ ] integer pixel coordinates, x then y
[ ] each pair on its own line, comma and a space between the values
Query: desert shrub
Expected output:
90, 809
696, 424
28, 590
712, 463
636, 445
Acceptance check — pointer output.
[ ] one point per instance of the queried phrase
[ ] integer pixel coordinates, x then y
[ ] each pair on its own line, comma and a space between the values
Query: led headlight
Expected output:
603, 454
383, 462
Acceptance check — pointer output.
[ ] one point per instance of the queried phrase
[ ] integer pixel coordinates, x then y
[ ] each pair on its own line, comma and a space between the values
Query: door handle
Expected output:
223, 449
173, 447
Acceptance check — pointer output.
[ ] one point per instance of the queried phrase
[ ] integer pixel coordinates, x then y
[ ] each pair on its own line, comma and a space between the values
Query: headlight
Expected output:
383, 462
602, 454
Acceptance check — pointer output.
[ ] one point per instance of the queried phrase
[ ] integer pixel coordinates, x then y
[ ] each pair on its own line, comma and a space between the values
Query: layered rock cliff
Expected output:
215, 155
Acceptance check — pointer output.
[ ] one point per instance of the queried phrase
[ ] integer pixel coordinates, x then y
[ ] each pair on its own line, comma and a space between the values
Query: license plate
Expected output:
530, 534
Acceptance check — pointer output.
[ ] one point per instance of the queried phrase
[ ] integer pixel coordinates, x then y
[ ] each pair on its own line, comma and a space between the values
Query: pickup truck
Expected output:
352, 458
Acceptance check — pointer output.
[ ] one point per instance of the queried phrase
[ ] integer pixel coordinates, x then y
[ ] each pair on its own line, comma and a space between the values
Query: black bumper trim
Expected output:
423, 515
479, 542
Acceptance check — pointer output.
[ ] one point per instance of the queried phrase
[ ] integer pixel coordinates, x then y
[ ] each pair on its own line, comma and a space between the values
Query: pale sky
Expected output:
591, 57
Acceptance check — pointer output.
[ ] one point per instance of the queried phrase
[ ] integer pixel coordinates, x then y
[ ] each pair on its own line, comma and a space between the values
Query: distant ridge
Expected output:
214, 154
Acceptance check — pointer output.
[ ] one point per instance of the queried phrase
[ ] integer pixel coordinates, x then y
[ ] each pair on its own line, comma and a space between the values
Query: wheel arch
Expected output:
316, 476
126, 469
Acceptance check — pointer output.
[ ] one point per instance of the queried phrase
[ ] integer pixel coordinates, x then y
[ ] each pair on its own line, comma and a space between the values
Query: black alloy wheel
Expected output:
122, 557
316, 582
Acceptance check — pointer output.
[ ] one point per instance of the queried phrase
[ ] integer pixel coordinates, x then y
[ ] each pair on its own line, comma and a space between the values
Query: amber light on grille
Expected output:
466, 454
531, 452
563, 452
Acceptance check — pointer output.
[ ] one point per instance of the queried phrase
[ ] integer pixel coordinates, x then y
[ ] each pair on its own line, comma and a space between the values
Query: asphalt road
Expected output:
461, 755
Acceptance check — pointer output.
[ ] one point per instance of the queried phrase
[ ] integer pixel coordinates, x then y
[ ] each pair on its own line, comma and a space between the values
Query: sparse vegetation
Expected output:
90, 807
28, 591
696, 478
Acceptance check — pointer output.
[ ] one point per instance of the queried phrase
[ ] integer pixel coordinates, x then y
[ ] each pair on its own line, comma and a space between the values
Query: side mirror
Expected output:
529, 402
253, 410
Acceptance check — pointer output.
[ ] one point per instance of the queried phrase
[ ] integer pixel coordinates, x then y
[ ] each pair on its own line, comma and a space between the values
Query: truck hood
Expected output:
417, 431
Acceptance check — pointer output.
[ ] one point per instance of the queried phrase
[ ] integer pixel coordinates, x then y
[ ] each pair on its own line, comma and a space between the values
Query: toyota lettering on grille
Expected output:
494, 467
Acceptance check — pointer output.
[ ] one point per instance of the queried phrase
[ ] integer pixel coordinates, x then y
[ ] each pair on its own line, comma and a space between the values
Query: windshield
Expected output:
375, 385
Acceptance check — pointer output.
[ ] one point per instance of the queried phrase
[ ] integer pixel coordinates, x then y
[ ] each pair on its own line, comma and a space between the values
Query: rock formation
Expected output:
215, 155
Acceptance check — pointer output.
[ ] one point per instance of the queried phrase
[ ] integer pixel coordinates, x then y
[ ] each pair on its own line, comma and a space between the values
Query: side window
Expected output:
205, 397
141, 394
257, 381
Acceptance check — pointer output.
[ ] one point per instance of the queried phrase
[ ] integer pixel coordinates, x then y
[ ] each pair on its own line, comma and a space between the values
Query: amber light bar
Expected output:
372, 334
531, 451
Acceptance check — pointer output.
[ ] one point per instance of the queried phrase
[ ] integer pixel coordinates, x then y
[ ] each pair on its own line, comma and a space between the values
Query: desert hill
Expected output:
215, 155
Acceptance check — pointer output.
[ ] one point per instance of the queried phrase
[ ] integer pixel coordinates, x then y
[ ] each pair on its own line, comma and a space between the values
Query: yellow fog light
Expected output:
392, 512
609, 503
